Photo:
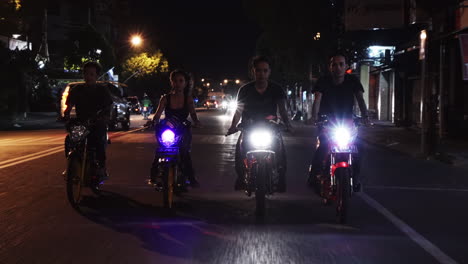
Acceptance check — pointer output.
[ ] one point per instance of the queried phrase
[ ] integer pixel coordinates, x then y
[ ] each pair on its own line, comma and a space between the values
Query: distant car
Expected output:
120, 110
134, 103
211, 104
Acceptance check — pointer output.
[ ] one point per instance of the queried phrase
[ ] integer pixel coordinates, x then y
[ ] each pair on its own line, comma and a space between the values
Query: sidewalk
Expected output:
408, 140
33, 120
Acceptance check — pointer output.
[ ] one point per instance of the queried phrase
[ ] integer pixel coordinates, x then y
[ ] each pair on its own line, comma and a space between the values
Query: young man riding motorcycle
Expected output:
89, 99
334, 97
259, 100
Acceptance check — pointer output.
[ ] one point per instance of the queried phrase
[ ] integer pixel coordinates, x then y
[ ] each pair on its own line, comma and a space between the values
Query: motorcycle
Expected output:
166, 170
82, 165
259, 145
145, 112
335, 181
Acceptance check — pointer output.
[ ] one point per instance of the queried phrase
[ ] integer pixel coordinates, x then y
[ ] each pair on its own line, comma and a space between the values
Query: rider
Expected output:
258, 100
90, 98
146, 102
334, 96
179, 104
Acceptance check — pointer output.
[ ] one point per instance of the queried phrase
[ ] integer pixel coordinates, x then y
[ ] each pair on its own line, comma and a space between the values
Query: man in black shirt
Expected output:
334, 96
90, 98
259, 100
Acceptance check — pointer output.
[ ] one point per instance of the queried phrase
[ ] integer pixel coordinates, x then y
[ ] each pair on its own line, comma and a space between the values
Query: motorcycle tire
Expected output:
260, 190
74, 181
343, 194
168, 187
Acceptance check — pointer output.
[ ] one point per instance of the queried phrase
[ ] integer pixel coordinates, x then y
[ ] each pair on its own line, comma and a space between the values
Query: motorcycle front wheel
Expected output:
343, 192
168, 188
74, 181
260, 188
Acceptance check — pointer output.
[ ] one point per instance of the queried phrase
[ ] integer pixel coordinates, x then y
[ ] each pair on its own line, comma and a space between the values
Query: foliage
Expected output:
83, 45
289, 28
146, 64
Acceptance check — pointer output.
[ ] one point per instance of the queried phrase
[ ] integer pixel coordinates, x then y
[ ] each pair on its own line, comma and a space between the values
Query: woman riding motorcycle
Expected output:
178, 104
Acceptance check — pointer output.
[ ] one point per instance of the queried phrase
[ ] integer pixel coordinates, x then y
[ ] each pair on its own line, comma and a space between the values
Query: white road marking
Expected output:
55, 150
407, 230
400, 188
44, 153
30, 155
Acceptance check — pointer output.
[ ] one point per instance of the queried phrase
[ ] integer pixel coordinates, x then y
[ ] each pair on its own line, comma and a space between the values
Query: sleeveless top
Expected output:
180, 113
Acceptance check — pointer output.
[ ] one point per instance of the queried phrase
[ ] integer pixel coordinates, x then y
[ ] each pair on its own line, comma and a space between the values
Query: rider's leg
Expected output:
282, 167
318, 160
239, 166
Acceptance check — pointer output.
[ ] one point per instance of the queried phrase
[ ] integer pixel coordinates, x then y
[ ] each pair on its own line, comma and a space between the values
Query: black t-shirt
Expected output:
338, 100
258, 106
89, 100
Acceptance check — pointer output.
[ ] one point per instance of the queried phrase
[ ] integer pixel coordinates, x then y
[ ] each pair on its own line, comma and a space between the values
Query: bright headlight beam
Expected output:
260, 139
342, 136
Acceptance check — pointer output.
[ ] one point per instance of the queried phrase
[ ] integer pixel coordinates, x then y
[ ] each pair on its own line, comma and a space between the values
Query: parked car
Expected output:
134, 103
120, 110
211, 104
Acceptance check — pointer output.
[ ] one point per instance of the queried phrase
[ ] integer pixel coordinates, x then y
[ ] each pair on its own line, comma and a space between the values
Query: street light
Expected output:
225, 81
136, 40
237, 81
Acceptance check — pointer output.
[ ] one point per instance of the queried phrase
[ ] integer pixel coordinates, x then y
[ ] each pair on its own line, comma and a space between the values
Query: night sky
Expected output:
212, 39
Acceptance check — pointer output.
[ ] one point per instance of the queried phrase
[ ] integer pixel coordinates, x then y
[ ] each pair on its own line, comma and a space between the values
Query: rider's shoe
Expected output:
240, 184
194, 183
357, 187
102, 174
281, 187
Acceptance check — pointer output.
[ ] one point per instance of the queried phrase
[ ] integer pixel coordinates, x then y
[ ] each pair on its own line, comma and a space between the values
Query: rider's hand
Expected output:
150, 123
65, 117
197, 124
365, 121
232, 130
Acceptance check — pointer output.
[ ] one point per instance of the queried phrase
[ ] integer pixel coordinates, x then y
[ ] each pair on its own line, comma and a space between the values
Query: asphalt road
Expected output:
411, 211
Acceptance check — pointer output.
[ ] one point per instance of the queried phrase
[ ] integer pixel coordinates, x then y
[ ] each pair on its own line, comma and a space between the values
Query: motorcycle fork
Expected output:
84, 161
332, 187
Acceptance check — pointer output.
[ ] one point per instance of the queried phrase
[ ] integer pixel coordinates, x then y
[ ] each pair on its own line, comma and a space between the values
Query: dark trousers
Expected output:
97, 139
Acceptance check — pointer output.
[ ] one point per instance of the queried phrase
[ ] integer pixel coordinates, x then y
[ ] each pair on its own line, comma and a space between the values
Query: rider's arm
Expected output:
70, 102
107, 104
283, 113
237, 116
193, 113
362, 104
316, 105
161, 107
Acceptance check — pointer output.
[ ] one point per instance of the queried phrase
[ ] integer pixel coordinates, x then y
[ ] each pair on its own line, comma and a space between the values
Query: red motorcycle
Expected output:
334, 183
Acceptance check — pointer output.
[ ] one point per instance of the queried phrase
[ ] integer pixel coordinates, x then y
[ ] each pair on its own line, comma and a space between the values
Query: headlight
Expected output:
224, 104
78, 133
342, 136
233, 105
261, 139
168, 138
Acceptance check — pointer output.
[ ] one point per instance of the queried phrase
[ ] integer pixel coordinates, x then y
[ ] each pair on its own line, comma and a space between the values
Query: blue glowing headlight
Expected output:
168, 138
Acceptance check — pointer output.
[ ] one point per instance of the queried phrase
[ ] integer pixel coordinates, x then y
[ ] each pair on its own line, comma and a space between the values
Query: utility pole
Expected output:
425, 95
442, 94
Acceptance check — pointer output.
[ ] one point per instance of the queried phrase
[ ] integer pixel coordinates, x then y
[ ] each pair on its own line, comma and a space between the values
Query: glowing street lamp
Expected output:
136, 40
237, 81
225, 81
